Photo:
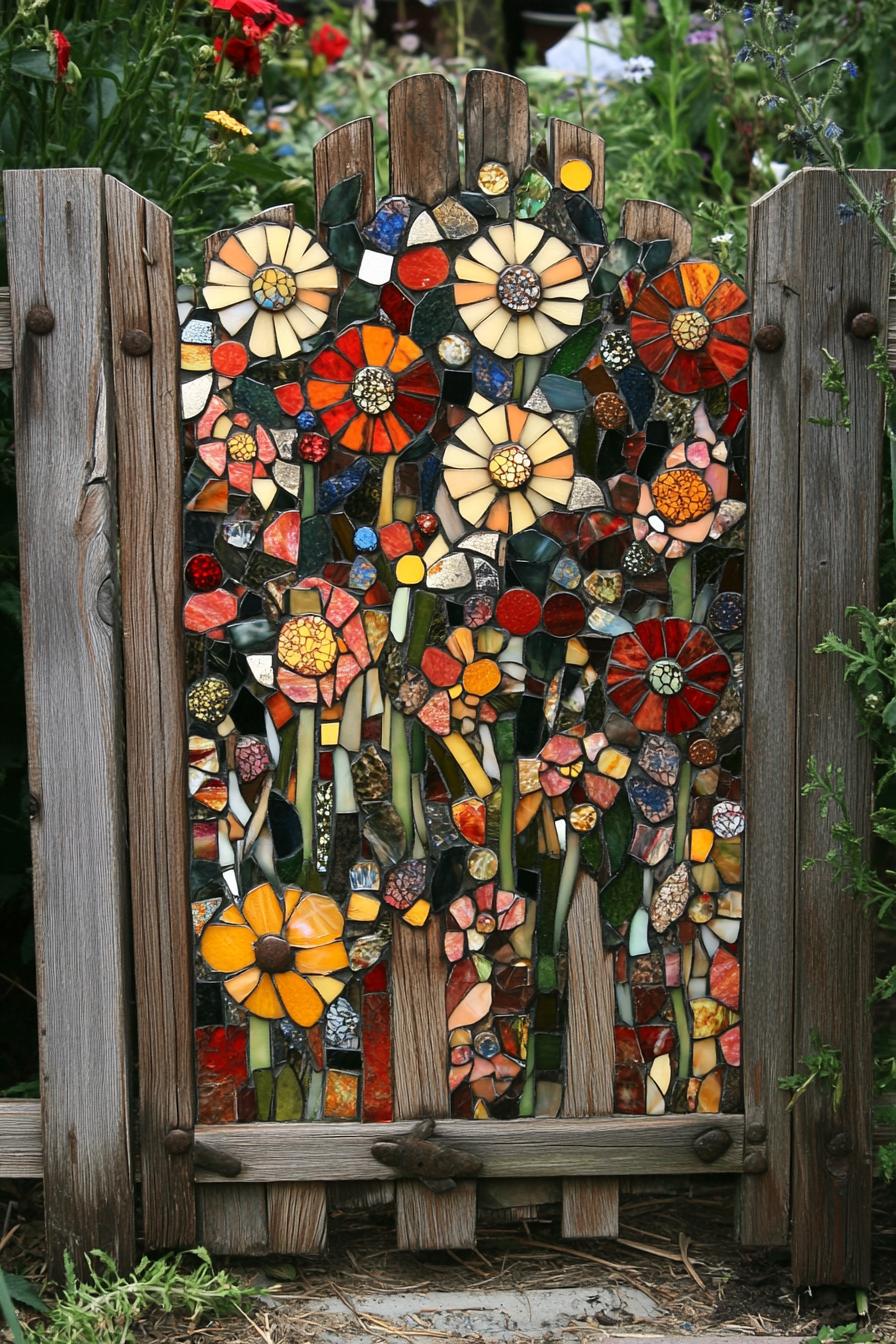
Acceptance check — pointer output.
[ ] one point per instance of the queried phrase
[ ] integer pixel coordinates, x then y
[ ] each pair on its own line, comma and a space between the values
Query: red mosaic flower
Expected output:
688, 326
667, 675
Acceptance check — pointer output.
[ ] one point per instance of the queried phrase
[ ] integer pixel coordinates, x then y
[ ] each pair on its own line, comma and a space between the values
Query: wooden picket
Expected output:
92, 339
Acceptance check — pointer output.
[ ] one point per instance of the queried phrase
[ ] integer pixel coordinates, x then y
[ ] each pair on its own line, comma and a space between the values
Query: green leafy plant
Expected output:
822, 1064
833, 380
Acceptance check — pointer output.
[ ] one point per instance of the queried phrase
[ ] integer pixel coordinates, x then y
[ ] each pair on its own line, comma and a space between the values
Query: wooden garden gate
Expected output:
93, 339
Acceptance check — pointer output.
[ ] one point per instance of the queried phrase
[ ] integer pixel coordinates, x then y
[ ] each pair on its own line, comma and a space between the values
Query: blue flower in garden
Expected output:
846, 213
832, 131
744, 54
851, 69
747, 13
284, 151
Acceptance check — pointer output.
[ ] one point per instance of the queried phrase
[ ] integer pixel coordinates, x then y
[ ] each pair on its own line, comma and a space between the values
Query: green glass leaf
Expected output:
289, 1099
264, 1092
254, 397
592, 852
359, 303
341, 203
617, 830
620, 898
346, 247
572, 354
681, 587
656, 256
532, 194
433, 316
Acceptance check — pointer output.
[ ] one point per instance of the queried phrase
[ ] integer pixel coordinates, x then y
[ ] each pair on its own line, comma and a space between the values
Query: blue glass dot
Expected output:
306, 420
366, 539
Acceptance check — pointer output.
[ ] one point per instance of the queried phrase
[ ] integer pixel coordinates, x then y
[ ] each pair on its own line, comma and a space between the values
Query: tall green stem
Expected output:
305, 745
401, 774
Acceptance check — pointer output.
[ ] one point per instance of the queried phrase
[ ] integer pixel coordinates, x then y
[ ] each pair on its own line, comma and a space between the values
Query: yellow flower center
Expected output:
681, 496
241, 447
307, 645
690, 329
510, 466
519, 289
274, 288
373, 390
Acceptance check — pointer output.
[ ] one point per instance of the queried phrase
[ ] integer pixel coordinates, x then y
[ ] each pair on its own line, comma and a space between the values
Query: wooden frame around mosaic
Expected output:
100, 508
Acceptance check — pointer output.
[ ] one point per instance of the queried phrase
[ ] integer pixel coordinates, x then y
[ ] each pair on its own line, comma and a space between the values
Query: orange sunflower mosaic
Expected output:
688, 326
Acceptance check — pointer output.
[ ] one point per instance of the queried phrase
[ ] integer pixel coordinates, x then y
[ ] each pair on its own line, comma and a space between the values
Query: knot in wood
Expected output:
39, 319
838, 1145
418, 1155
769, 338
711, 1144
864, 325
136, 342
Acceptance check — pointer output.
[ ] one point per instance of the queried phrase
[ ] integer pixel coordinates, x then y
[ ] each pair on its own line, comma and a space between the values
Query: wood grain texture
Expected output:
21, 1140
343, 153
66, 484
590, 1205
5, 329
600, 1146
233, 1220
424, 1220
147, 426
496, 124
423, 139
844, 272
566, 140
297, 1218
644, 221
772, 771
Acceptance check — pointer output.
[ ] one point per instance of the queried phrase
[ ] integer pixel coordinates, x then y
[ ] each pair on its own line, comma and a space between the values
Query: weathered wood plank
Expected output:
643, 221
424, 1220
65, 479
342, 153
423, 138
297, 1218
5, 329
233, 1220
566, 140
599, 1146
844, 272
772, 772
496, 124
147, 426
590, 1204
21, 1140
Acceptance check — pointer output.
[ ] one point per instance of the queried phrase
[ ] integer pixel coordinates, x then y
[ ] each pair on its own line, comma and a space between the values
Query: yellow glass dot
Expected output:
274, 288
482, 677
493, 179
690, 329
576, 175
241, 447
410, 569
510, 467
583, 817
307, 645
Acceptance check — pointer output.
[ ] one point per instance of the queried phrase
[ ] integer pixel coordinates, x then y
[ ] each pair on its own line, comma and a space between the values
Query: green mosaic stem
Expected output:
314, 1097
259, 1043
305, 763
387, 492
568, 874
681, 814
684, 1032
401, 773
308, 499
505, 835
681, 587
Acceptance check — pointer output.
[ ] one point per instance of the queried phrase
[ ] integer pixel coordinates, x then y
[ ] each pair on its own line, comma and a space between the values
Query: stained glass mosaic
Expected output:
464, 528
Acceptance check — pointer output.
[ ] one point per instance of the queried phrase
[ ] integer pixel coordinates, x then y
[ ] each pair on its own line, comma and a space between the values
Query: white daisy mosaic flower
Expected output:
520, 290
271, 286
507, 467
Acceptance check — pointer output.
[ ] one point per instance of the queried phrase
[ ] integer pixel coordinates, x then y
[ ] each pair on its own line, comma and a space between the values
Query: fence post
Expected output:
66, 492
844, 272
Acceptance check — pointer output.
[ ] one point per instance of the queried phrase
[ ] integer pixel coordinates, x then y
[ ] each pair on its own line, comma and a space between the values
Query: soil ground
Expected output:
677, 1247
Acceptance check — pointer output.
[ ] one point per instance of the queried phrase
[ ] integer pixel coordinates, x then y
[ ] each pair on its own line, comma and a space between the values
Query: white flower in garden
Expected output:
721, 238
274, 284
637, 69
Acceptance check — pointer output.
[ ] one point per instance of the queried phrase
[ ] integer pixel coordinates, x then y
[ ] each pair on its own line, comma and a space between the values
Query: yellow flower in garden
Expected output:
227, 123
278, 955
275, 284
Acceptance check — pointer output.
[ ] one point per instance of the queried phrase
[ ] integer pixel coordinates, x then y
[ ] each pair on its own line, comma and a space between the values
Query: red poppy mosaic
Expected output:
464, 525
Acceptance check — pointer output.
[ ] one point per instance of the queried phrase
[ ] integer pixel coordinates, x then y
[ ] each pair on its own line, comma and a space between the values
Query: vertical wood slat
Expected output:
343, 153
772, 771
496, 124
66, 480
297, 1218
645, 221
147, 427
423, 139
568, 141
845, 271
590, 1204
5, 329
233, 1219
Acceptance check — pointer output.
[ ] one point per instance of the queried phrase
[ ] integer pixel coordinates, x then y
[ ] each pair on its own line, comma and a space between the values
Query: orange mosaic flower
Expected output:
688, 327
681, 495
277, 954
373, 389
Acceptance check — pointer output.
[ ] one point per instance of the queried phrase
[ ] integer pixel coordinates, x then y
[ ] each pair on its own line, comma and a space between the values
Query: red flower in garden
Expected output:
63, 49
373, 389
242, 53
329, 42
687, 327
667, 675
258, 17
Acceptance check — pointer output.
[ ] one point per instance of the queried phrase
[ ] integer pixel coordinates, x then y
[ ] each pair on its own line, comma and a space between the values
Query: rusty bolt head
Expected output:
39, 319
864, 325
756, 1133
136, 342
273, 954
838, 1145
755, 1162
769, 338
178, 1141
